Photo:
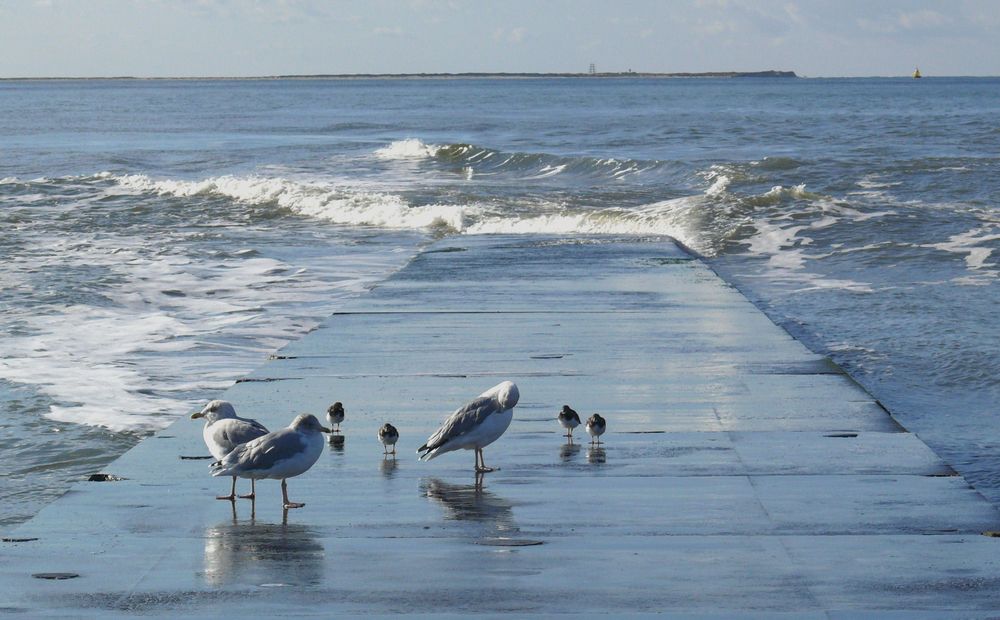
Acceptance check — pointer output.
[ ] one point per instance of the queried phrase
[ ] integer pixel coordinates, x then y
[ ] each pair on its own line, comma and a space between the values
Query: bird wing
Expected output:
465, 419
262, 453
233, 431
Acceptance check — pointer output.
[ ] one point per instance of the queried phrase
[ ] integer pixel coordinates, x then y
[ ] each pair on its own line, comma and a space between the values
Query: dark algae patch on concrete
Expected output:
741, 475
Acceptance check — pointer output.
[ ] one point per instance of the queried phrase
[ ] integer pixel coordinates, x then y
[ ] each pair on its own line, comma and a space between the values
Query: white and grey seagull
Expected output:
224, 430
475, 425
278, 455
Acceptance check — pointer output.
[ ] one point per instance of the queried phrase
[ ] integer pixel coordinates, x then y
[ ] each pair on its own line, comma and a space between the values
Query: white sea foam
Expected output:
163, 324
549, 171
411, 148
971, 243
719, 186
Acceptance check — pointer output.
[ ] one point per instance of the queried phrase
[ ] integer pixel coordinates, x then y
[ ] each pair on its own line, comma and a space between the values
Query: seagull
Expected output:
224, 430
388, 435
475, 425
569, 420
596, 427
279, 455
335, 414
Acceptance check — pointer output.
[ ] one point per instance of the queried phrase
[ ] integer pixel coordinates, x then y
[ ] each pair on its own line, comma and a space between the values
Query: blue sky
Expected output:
258, 37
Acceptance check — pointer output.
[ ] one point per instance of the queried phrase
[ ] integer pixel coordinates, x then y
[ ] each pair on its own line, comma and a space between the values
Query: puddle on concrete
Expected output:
509, 542
597, 456
55, 576
250, 552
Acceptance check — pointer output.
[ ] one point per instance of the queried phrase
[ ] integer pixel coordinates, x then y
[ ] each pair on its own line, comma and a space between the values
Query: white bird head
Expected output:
307, 422
216, 410
506, 394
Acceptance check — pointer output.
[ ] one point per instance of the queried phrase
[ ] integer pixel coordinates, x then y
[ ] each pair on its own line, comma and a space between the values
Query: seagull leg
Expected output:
284, 496
253, 490
232, 494
482, 460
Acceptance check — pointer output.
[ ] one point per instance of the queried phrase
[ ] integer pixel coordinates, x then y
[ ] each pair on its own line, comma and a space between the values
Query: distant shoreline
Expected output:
432, 76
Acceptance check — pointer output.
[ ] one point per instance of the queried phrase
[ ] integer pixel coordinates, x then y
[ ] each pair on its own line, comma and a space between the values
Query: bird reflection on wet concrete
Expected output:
596, 455
489, 514
252, 553
567, 451
337, 443
388, 467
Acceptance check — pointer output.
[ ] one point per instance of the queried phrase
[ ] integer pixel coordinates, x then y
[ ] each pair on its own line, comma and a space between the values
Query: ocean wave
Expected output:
686, 218
411, 148
474, 160
321, 200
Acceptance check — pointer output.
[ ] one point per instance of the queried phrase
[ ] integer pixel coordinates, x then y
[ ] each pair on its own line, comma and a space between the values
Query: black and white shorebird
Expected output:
279, 455
335, 414
596, 427
224, 430
569, 420
475, 425
388, 435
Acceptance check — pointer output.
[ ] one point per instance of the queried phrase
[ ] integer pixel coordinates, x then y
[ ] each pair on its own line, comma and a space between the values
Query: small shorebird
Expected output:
475, 425
224, 430
280, 455
335, 414
596, 427
388, 435
569, 420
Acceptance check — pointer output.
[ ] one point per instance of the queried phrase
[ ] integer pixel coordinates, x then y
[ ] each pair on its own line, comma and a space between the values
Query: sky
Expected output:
203, 38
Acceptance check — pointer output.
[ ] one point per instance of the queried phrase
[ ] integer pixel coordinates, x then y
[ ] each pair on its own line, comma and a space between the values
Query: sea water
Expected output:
163, 237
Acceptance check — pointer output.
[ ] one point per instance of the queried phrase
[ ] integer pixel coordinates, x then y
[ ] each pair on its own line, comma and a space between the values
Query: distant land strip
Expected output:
475, 75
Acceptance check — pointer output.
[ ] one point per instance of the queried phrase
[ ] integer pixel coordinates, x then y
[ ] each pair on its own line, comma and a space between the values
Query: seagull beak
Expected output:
197, 414
324, 429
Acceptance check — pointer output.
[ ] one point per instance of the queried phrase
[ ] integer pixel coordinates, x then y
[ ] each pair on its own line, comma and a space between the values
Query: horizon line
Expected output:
481, 74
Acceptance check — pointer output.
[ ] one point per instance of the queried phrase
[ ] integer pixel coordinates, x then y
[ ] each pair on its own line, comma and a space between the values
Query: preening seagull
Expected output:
475, 425
596, 427
335, 414
224, 430
569, 420
388, 435
279, 455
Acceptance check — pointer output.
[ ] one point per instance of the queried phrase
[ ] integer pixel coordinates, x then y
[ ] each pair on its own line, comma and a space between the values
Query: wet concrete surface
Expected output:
741, 474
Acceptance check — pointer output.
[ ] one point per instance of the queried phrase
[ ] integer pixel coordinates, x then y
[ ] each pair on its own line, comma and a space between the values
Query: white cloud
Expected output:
716, 26
512, 35
386, 31
922, 19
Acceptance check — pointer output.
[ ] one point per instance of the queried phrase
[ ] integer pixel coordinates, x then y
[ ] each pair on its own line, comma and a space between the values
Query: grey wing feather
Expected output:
265, 452
463, 420
232, 432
